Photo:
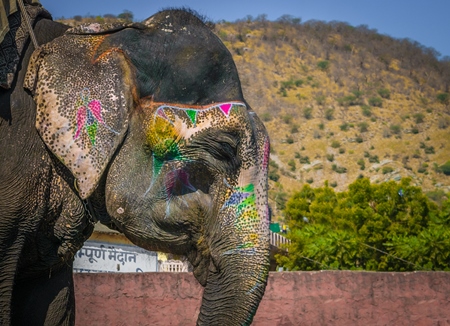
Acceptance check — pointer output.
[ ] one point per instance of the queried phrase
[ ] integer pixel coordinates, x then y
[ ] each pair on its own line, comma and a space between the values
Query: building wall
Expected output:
292, 298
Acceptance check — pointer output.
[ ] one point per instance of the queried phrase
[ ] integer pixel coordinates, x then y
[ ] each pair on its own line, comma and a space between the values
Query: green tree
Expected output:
376, 101
443, 98
323, 65
126, 15
445, 168
382, 227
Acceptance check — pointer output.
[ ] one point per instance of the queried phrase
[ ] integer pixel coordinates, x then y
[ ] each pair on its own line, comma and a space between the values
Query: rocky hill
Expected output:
342, 102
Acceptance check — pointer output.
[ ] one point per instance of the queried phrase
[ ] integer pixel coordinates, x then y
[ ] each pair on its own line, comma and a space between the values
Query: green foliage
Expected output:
273, 175
329, 114
287, 118
126, 15
429, 150
273, 164
376, 101
273, 171
307, 113
320, 99
363, 126
438, 196
419, 117
361, 164
357, 93
335, 144
323, 65
395, 129
292, 165
344, 126
387, 169
445, 168
384, 93
378, 227
338, 169
366, 110
443, 98
304, 160
348, 100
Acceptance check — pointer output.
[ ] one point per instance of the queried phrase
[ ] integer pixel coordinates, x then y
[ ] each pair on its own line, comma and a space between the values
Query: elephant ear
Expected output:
83, 102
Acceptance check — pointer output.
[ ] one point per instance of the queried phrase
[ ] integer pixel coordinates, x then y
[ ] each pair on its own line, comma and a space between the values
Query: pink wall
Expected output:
292, 298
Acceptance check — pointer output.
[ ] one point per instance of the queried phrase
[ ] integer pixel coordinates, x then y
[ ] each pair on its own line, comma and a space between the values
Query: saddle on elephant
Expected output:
14, 35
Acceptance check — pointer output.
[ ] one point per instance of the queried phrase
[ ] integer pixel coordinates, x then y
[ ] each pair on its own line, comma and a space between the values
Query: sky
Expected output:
427, 22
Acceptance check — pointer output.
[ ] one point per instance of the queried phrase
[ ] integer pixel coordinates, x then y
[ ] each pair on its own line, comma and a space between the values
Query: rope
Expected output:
28, 23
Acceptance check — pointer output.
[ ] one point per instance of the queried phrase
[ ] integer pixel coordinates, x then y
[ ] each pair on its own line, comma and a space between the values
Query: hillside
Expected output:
341, 102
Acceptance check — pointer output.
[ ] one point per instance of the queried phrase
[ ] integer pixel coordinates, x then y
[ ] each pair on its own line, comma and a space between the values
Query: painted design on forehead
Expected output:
165, 140
89, 115
167, 134
224, 109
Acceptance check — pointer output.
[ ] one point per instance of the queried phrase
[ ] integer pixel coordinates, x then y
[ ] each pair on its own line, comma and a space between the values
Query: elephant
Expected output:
144, 128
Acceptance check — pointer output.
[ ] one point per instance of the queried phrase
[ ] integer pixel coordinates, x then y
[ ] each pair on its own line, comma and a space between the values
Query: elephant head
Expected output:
151, 121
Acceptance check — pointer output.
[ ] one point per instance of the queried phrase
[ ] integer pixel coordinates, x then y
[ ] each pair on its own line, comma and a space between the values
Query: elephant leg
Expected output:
8, 265
47, 300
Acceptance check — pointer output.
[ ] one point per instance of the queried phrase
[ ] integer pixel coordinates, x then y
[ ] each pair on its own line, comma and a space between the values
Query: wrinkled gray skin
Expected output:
174, 183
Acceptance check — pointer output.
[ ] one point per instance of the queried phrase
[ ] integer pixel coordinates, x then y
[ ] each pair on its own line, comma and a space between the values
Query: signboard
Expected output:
102, 257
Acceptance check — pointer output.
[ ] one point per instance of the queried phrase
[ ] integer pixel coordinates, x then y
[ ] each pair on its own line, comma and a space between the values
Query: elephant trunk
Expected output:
239, 265
232, 293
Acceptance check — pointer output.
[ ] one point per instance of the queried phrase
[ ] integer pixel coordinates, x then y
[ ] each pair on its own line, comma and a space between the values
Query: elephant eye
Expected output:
227, 150
225, 147
221, 146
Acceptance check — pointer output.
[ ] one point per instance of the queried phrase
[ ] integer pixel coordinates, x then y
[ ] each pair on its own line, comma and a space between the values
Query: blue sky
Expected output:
427, 22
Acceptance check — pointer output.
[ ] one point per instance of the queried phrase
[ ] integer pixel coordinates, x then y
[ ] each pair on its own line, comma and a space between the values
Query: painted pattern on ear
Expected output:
89, 115
83, 102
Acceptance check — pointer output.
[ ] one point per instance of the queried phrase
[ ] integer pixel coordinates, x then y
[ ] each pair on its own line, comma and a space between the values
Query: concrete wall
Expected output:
292, 298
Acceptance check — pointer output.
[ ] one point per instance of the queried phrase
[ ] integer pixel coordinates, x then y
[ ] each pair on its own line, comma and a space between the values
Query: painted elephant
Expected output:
143, 127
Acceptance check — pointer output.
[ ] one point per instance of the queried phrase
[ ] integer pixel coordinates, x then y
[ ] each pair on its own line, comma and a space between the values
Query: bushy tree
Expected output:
381, 227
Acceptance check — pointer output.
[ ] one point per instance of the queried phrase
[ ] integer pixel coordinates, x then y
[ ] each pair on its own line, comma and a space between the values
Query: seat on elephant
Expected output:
14, 35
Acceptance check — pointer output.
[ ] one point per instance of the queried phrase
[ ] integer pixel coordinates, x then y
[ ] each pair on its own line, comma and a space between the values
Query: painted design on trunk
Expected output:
243, 202
89, 115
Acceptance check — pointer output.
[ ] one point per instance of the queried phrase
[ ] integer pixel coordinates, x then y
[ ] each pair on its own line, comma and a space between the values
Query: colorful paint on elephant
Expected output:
191, 115
247, 220
88, 116
172, 126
